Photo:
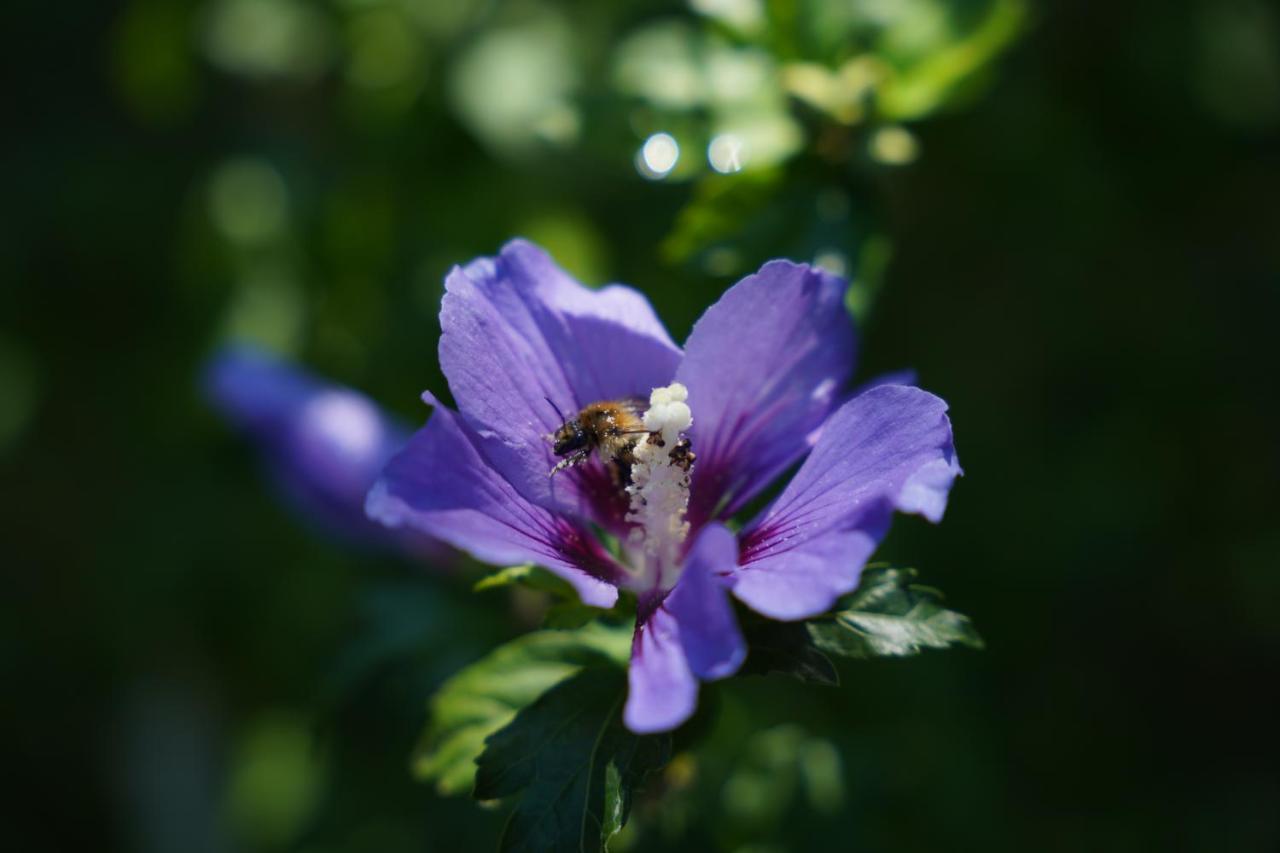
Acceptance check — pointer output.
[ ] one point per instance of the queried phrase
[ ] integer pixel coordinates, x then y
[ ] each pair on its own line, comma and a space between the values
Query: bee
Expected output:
614, 428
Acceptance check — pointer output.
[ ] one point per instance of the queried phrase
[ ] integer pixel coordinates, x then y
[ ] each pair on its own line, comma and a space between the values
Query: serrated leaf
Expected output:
888, 616
573, 763
534, 577
785, 648
486, 695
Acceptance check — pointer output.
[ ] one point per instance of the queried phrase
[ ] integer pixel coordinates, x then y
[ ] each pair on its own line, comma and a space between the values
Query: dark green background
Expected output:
1086, 266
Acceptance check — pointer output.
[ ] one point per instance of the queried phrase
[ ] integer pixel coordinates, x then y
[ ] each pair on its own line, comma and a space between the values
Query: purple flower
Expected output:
762, 375
323, 445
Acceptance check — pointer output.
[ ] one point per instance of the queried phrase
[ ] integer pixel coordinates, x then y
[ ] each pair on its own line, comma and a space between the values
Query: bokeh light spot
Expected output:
268, 309
513, 87
660, 64
268, 38
833, 261
727, 153
248, 201
658, 156
743, 15
276, 780
894, 146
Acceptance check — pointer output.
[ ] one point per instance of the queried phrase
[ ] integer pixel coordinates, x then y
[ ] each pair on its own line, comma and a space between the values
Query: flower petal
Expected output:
764, 367
887, 449
806, 579
323, 444
517, 331
906, 376
690, 634
707, 627
662, 689
442, 485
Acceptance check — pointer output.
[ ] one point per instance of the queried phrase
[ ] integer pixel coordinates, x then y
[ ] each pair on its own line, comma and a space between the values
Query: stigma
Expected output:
659, 489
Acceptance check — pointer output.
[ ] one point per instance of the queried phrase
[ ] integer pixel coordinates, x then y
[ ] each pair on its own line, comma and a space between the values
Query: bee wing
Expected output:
635, 407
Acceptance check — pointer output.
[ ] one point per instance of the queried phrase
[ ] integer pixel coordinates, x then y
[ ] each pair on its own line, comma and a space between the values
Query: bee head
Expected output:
568, 438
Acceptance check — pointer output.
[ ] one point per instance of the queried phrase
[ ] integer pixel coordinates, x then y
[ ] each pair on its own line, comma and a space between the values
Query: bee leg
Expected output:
620, 470
570, 461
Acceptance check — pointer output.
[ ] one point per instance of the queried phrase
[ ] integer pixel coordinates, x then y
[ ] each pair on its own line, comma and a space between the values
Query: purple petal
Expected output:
708, 630
517, 331
442, 485
690, 634
806, 579
324, 445
906, 376
764, 367
663, 691
887, 449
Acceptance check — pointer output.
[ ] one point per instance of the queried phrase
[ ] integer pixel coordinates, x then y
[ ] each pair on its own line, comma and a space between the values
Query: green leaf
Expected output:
534, 577
574, 761
890, 616
486, 695
785, 648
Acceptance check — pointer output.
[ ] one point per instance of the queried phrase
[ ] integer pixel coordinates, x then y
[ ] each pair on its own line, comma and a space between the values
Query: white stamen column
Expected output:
659, 487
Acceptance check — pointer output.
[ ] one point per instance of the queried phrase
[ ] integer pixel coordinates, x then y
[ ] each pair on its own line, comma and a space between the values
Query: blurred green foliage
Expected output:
1062, 213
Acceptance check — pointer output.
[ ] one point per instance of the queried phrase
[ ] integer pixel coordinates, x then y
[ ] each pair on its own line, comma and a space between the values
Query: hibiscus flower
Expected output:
758, 387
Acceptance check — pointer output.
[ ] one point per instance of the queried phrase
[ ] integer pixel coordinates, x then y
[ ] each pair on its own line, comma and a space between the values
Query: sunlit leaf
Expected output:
890, 616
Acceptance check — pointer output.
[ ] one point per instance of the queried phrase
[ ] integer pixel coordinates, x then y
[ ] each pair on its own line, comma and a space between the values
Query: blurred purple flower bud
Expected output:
322, 445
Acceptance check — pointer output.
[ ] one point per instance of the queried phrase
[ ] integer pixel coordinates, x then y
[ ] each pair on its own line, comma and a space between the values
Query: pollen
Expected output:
659, 489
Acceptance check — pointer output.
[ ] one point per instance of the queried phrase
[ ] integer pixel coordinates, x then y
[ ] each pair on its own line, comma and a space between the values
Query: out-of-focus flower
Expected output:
322, 445
757, 388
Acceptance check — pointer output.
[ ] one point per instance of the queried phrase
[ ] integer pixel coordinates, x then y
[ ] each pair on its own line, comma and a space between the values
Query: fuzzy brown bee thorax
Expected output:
611, 427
